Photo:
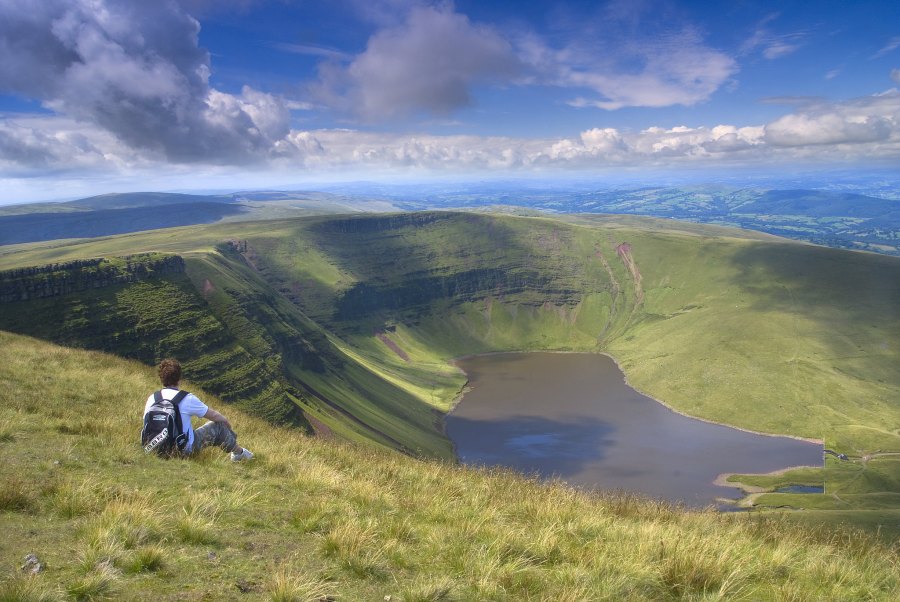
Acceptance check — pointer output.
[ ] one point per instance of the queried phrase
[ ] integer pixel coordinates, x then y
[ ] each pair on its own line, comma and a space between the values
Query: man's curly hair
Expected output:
169, 372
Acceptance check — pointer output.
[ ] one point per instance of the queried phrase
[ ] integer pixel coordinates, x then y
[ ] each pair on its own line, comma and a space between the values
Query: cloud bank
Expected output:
862, 130
134, 70
125, 86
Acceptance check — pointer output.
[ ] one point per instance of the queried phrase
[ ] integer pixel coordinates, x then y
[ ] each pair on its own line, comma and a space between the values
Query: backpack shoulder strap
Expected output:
175, 401
157, 397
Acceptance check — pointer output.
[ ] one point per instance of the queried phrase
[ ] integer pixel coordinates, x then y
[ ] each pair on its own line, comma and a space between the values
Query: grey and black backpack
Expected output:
163, 433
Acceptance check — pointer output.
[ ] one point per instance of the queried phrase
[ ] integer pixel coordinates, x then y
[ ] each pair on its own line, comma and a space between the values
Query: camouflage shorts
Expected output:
214, 433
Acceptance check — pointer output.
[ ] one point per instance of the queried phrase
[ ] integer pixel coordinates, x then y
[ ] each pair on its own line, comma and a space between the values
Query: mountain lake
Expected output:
572, 416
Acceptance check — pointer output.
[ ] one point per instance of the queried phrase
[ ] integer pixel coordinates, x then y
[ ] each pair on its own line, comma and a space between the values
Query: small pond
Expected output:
572, 416
801, 489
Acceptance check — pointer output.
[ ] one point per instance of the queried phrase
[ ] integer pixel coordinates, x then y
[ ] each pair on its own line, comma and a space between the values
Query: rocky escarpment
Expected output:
58, 279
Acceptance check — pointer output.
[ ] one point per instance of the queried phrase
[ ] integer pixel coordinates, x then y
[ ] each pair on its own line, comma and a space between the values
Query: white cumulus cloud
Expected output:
867, 120
135, 70
428, 63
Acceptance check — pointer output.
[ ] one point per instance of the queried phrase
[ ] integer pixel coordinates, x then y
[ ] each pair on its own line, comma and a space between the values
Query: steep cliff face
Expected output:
60, 279
544, 276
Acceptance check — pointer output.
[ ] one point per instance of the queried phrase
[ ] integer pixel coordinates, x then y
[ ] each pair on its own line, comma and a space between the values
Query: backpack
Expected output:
163, 433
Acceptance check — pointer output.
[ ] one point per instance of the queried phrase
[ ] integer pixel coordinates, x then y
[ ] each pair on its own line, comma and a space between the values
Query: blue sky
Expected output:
115, 95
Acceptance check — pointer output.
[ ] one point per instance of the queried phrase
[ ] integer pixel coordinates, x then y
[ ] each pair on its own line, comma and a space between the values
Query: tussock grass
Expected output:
77, 498
196, 523
311, 518
102, 583
127, 522
28, 589
150, 558
356, 547
99, 553
288, 586
6, 431
17, 494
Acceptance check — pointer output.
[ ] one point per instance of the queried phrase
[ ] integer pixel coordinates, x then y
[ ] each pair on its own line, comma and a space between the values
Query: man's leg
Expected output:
215, 433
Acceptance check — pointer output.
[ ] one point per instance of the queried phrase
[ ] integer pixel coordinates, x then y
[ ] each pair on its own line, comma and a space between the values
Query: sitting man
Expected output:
216, 432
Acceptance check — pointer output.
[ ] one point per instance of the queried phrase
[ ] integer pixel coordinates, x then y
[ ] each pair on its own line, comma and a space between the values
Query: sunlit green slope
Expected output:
309, 519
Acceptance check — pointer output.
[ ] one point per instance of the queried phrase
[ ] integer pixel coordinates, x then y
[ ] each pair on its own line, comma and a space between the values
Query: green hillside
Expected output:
310, 519
354, 320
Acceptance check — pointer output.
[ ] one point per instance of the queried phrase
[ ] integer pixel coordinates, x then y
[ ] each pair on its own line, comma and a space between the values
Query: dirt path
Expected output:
868, 457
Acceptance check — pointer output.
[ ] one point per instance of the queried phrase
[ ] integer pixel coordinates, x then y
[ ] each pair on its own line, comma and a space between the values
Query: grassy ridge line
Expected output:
310, 518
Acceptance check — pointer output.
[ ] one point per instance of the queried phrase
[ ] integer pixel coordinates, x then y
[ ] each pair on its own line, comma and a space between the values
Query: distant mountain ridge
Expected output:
833, 218
34, 227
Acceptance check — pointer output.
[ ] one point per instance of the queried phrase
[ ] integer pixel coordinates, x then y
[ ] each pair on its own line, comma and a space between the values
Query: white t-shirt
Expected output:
189, 406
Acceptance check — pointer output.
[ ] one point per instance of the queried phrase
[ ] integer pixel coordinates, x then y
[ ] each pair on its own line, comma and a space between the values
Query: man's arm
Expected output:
213, 415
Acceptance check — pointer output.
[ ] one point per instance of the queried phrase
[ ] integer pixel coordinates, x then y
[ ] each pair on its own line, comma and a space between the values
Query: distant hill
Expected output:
124, 218
124, 200
110, 214
821, 204
833, 218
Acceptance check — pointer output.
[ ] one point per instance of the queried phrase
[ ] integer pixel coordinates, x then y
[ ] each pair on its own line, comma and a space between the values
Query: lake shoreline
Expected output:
463, 450
465, 388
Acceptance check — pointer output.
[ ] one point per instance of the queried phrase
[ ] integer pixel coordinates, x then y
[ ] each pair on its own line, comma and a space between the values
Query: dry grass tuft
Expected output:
286, 586
102, 583
73, 498
17, 495
28, 589
356, 547
428, 589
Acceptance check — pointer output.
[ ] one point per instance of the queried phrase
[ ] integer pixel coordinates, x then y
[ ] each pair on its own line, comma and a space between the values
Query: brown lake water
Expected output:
572, 416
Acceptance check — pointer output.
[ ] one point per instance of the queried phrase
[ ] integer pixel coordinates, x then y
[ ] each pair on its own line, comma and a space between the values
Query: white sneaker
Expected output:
246, 454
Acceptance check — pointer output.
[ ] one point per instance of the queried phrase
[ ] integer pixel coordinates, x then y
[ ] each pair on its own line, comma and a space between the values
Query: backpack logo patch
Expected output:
162, 436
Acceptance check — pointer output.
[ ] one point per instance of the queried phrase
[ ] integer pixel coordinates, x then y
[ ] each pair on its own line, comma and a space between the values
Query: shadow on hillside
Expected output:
405, 262
833, 287
530, 444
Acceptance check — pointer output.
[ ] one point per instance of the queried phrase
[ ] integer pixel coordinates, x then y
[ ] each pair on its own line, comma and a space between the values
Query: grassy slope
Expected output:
781, 338
310, 517
727, 325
